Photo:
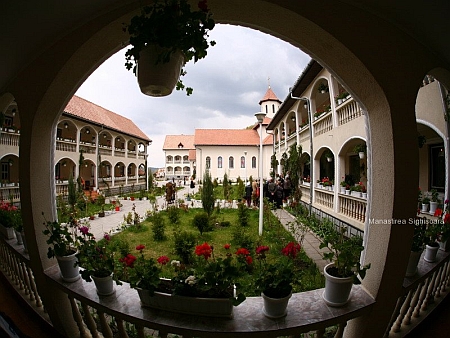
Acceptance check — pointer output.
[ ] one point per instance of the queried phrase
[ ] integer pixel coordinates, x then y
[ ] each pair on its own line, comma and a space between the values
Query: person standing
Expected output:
271, 189
255, 190
248, 194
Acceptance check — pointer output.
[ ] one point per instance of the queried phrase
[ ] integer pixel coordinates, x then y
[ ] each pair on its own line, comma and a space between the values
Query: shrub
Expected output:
174, 214
201, 222
208, 194
184, 243
241, 238
158, 227
242, 215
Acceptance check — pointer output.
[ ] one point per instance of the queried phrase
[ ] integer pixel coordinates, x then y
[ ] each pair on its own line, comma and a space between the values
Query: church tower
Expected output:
270, 103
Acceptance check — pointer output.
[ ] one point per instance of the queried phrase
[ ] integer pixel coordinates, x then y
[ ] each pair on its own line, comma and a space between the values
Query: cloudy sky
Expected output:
228, 85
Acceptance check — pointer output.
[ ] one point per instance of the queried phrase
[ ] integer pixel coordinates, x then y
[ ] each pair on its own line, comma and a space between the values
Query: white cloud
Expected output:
228, 85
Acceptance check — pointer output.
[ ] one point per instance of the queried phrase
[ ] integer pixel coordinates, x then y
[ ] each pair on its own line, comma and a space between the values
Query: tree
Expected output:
274, 164
208, 194
293, 165
150, 181
72, 193
226, 188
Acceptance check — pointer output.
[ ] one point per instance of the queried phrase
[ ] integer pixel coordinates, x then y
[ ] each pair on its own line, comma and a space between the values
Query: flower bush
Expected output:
275, 279
96, 258
64, 238
212, 277
8, 213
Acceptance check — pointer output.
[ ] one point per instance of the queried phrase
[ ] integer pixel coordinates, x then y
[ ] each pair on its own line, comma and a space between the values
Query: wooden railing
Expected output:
348, 111
325, 197
421, 294
353, 207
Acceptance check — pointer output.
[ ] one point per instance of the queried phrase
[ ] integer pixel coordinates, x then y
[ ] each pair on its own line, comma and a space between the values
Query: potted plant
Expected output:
17, 223
274, 280
64, 241
344, 186
329, 155
432, 233
345, 269
206, 287
7, 211
97, 262
360, 149
425, 203
434, 201
323, 88
166, 35
416, 247
444, 223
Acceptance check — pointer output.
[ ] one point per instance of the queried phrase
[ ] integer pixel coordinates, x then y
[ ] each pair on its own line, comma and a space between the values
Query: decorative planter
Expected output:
158, 79
329, 159
431, 252
424, 207
342, 190
212, 307
104, 285
433, 207
69, 272
19, 237
361, 155
7, 232
275, 307
444, 246
356, 193
337, 290
414, 258
347, 191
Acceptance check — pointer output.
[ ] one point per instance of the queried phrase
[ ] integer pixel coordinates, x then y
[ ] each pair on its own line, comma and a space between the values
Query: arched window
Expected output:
208, 162
219, 162
254, 162
231, 162
242, 161
169, 158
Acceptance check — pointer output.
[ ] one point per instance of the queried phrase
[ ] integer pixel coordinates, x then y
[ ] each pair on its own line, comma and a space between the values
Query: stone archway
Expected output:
346, 53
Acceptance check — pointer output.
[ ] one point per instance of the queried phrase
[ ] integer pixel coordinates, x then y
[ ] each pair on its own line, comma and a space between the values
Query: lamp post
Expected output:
260, 118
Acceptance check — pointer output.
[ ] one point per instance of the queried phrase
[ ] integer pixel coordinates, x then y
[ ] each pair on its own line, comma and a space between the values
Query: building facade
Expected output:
106, 151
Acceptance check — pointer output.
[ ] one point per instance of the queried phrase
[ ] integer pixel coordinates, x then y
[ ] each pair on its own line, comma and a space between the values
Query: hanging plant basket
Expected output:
158, 79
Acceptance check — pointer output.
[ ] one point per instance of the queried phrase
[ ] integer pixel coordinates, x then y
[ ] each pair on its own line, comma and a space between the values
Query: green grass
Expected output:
274, 236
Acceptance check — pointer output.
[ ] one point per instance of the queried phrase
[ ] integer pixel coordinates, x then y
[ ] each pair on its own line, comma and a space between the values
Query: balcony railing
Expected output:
105, 151
9, 193
348, 111
420, 294
353, 207
66, 146
9, 139
323, 124
325, 197
304, 135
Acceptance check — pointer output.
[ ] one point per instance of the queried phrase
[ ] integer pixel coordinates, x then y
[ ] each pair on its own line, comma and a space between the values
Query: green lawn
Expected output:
274, 236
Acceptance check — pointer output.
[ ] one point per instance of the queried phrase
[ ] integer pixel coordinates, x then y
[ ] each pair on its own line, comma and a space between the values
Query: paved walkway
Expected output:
114, 221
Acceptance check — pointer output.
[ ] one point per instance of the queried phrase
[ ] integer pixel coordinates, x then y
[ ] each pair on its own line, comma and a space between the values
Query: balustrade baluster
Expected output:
340, 330
106, 330
320, 333
121, 328
90, 322
412, 306
77, 317
405, 306
423, 294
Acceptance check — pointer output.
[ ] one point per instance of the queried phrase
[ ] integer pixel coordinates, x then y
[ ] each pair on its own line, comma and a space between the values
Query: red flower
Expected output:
107, 237
249, 260
84, 230
242, 252
447, 218
262, 249
438, 212
204, 250
227, 246
291, 249
140, 247
163, 260
128, 260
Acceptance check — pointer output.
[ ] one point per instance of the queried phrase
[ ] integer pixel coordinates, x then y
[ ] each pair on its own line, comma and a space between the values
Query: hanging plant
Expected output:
323, 88
421, 140
173, 28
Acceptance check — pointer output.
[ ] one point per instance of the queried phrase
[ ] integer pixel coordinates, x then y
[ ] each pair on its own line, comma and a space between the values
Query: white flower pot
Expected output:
19, 237
347, 191
342, 190
104, 285
433, 207
158, 79
337, 290
275, 307
424, 207
361, 155
430, 253
7, 232
69, 272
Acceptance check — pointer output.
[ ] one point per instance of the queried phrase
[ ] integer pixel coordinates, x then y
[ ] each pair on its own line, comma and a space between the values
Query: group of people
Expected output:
275, 190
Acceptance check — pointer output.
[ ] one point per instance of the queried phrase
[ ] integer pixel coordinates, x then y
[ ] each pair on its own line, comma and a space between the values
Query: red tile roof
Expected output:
174, 141
90, 112
226, 137
192, 155
269, 96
